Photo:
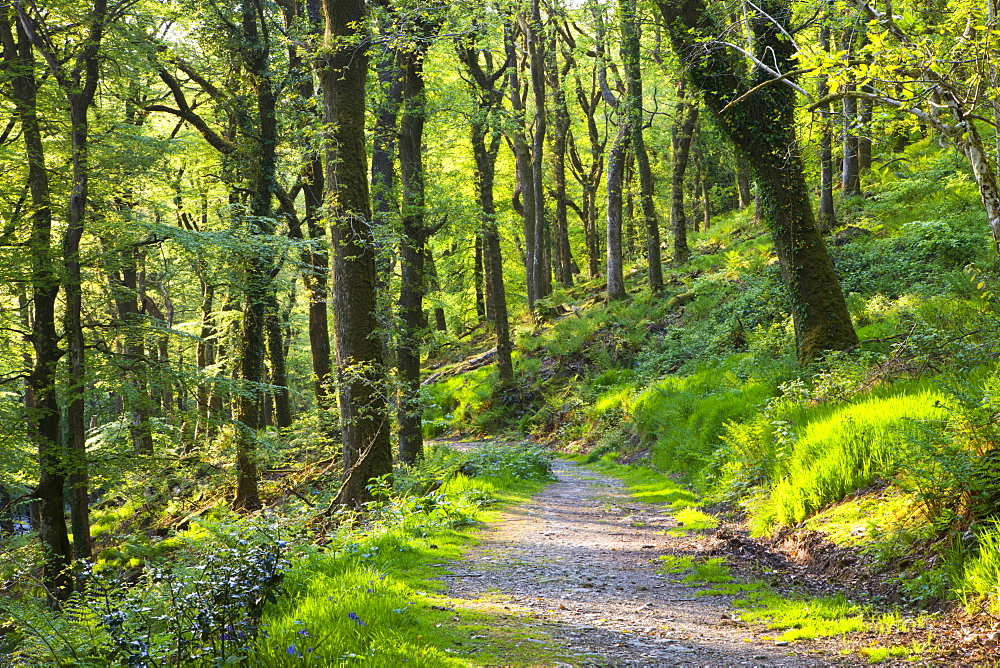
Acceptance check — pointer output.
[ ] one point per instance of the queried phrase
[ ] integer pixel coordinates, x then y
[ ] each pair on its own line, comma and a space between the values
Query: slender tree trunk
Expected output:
315, 257
478, 279
523, 162
360, 372
384, 194
536, 67
560, 136
634, 114
616, 175
685, 120
827, 217
276, 355
73, 324
485, 147
412, 252
850, 180
259, 267
205, 357
864, 138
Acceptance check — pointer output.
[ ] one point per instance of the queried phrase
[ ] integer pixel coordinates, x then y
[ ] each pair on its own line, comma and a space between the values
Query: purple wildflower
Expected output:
354, 616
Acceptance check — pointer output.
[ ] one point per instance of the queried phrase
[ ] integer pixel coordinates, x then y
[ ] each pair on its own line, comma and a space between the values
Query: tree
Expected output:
360, 371
633, 118
616, 170
756, 110
41, 400
485, 135
943, 96
681, 136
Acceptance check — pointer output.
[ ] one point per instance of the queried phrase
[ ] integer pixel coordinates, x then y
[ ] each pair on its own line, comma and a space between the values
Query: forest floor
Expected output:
578, 566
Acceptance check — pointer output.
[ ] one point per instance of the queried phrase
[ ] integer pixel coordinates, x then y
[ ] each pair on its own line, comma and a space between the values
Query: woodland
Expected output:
262, 259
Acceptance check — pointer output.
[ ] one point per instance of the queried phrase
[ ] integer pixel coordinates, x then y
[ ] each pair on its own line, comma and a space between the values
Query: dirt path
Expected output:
581, 558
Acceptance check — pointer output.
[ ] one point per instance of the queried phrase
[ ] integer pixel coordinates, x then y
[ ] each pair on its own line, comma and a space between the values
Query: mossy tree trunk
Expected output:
761, 123
360, 369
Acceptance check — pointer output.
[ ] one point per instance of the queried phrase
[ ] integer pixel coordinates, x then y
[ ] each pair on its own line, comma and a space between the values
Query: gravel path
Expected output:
581, 558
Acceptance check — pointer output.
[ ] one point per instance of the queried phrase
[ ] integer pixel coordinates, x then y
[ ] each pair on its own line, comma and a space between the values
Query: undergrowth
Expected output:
291, 588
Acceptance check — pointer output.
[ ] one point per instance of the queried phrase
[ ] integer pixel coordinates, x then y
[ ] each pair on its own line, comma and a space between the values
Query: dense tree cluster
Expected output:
188, 187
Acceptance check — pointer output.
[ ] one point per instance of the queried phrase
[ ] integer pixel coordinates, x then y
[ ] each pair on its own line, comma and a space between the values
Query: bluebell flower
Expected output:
354, 616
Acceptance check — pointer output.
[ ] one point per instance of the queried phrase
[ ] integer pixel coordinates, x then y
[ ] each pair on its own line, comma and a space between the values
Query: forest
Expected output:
298, 297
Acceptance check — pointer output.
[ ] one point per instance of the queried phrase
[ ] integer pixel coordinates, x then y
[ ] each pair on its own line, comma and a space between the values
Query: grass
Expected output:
378, 600
647, 484
843, 449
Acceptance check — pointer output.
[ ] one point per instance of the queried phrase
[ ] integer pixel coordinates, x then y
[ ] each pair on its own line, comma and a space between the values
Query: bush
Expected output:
511, 460
208, 609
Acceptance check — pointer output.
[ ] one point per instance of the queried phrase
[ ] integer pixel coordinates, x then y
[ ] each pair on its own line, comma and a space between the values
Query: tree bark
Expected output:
761, 124
616, 175
485, 137
685, 120
850, 178
533, 29
412, 284
43, 408
560, 138
634, 115
360, 372
827, 217
523, 162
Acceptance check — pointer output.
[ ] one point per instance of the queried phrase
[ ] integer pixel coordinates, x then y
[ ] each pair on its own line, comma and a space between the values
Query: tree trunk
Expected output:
864, 138
634, 115
205, 357
478, 278
850, 180
412, 252
485, 137
523, 162
685, 120
616, 175
536, 67
560, 136
360, 372
259, 266
276, 355
43, 408
315, 258
762, 126
827, 218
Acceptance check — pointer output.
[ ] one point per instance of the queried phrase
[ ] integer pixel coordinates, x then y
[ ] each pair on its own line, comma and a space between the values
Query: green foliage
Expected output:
954, 469
522, 461
207, 607
839, 449
978, 582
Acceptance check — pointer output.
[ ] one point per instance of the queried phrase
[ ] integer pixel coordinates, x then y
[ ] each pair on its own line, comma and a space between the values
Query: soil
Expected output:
581, 560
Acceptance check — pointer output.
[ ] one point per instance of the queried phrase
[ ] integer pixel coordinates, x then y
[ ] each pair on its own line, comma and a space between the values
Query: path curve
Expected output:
581, 558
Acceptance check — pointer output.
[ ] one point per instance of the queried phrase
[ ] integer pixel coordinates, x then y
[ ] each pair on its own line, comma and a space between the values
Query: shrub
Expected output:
514, 460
